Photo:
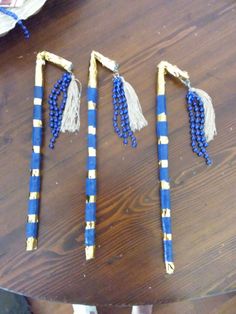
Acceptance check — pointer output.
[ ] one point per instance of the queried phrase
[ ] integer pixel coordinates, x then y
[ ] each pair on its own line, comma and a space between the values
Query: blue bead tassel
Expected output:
121, 122
19, 22
197, 120
56, 111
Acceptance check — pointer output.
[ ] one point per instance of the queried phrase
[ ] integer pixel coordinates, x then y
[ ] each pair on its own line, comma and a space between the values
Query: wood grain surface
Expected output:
198, 36
221, 304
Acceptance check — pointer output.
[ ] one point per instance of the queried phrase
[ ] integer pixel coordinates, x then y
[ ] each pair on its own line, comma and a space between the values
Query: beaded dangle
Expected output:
202, 130
62, 118
19, 21
121, 112
56, 111
127, 118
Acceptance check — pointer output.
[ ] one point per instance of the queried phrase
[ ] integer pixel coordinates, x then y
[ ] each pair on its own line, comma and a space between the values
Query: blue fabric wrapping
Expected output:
37, 136
35, 161
91, 163
164, 174
92, 140
90, 213
162, 151
34, 185
91, 186
161, 104
38, 112
38, 91
92, 118
165, 198
166, 225
92, 94
32, 229
90, 237
168, 252
33, 207
162, 128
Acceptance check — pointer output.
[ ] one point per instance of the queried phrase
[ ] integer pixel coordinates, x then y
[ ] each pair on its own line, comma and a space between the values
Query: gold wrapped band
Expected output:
162, 117
35, 172
165, 185
91, 105
91, 199
37, 123
92, 174
31, 244
91, 152
36, 149
166, 212
163, 140
33, 218
38, 101
167, 236
90, 225
163, 163
34, 195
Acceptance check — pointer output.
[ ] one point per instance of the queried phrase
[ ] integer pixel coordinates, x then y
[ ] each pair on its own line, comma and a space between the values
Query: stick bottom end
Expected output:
90, 252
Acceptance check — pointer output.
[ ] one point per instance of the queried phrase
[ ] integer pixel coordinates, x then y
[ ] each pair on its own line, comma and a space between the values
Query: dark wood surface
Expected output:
199, 37
221, 304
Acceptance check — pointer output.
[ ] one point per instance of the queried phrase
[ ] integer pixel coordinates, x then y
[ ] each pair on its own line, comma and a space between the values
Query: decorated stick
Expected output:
202, 130
63, 118
127, 118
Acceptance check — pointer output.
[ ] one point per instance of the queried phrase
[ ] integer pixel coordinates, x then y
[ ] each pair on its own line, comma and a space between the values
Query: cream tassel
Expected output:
210, 124
136, 118
71, 115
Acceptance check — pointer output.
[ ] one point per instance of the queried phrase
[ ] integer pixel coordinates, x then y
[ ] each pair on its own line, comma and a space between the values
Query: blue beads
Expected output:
196, 122
19, 22
121, 121
56, 110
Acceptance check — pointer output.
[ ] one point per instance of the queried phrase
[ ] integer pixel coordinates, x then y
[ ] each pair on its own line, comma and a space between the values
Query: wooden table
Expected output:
128, 269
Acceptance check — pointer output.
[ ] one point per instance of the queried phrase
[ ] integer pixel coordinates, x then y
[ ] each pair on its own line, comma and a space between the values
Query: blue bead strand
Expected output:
19, 22
197, 120
121, 122
55, 110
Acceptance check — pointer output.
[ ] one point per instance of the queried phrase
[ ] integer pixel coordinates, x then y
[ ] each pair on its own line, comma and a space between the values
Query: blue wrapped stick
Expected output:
202, 130
127, 118
35, 166
91, 181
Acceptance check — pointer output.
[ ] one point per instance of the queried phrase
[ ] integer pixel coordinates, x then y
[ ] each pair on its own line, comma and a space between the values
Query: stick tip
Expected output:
170, 268
31, 244
90, 252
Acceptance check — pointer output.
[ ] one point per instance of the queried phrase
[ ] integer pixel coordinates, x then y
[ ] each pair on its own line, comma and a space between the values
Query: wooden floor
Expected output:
224, 304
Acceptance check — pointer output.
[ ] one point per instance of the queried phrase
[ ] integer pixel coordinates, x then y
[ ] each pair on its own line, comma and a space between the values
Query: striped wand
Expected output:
91, 181
35, 184
127, 118
202, 130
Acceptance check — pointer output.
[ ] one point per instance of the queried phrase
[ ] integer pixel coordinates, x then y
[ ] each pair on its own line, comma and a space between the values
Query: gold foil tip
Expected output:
31, 244
170, 268
89, 252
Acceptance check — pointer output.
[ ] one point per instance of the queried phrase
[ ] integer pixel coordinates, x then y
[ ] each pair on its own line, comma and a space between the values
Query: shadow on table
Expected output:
11, 303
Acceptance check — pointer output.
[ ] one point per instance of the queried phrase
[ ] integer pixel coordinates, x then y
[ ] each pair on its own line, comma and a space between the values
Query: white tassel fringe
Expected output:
71, 115
136, 118
210, 124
